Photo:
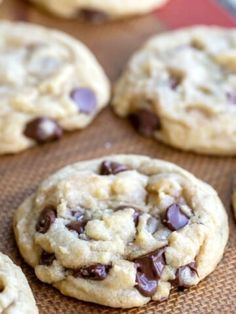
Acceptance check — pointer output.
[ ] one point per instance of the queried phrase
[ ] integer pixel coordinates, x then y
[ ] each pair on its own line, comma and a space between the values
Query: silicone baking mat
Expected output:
113, 43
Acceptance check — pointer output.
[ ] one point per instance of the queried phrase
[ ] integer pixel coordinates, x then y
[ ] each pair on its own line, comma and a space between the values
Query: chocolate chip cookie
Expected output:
98, 11
122, 230
15, 294
181, 89
50, 83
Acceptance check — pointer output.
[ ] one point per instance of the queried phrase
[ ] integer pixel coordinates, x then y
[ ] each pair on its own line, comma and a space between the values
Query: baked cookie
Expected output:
97, 10
49, 83
181, 88
15, 294
122, 230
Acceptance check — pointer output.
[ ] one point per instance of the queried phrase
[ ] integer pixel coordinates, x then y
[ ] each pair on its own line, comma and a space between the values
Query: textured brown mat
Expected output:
20, 175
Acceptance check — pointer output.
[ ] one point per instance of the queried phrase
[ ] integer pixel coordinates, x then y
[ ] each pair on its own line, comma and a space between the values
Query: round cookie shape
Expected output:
181, 89
122, 230
99, 11
50, 83
15, 294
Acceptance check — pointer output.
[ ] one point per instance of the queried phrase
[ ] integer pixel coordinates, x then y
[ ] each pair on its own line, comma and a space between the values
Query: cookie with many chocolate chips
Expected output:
180, 88
122, 230
50, 83
97, 11
15, 294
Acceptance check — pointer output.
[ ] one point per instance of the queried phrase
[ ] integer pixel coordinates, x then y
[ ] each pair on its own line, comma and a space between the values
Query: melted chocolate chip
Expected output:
174, 218
93, 16
145, 122
46, 218
145, 286
111, 167
93, 272
47, 258
152, 225
78, 225
43, 130
187, 270
85, 99
149, 270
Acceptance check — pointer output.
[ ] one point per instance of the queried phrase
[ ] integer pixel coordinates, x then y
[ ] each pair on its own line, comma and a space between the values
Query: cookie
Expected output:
122, 230
50, 83
181, 89
15, 294
99, 11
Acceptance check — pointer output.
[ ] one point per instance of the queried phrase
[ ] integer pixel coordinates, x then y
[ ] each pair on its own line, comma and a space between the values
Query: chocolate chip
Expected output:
78, 225
231, 97
145, 122
149, 270
93, 16
136, 216
146, 286
175, 218
174, 83
47, 258
152, 225
85, 99
176, 78
43, 130
181, 273
111, 167
93, 272
46, 218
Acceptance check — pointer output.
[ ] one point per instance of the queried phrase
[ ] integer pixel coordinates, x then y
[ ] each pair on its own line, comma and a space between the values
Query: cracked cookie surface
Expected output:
122, 230
97, 10
15, 294
181, 89
50, 83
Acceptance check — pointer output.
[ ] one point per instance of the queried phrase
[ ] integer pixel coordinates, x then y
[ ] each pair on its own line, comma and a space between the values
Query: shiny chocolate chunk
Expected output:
175, 218
110, 167
93, 272
145, 122
149, 270
78, 225
46, 218
183, 272
93, 16
85, 99
47, 258
145, 286
43, 130
152, 225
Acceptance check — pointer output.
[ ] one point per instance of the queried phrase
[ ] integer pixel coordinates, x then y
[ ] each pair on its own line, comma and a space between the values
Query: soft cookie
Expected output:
122, 230
181, 89
50, 83
97, 10
15, 294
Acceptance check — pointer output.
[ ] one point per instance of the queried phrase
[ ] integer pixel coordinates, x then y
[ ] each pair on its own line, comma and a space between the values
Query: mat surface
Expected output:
19, 175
